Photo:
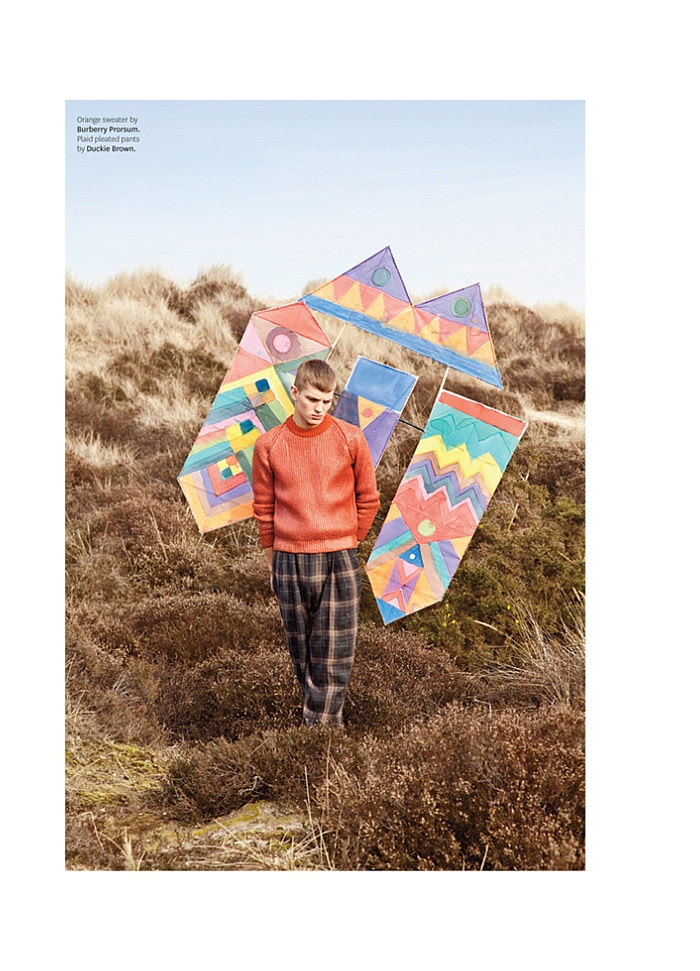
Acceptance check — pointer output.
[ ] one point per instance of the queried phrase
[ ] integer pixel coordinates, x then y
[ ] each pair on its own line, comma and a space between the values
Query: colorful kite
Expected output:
253, 398
451, 328
373, 400
456, 467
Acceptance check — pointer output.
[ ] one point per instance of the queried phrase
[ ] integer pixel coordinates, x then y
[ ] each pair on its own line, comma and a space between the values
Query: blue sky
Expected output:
286, 192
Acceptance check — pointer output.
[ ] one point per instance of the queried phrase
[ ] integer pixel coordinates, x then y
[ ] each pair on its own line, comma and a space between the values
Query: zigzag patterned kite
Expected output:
456, 467
373, 399
451, 328
253, 398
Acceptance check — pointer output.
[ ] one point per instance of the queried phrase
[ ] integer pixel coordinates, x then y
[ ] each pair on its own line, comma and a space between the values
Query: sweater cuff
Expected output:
363, 528
266, 536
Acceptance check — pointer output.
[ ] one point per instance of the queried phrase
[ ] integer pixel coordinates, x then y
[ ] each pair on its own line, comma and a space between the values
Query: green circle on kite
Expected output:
381, 276
426, 527
461, 307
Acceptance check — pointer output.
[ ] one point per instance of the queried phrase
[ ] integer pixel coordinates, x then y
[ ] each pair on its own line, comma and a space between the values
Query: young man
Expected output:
315, 497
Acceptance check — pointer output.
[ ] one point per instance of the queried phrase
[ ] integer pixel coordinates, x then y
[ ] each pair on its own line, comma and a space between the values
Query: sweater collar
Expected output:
309, 432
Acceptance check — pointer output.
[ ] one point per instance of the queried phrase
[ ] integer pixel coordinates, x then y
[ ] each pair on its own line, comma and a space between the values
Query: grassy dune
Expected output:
465, 722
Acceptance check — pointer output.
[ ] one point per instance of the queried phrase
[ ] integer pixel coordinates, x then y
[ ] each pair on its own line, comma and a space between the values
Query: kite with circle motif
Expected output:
451, 328
455, 469
373, 399
253, 398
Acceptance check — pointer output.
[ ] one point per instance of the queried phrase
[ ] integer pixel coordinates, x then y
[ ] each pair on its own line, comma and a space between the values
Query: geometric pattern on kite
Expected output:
253, 398
451, 328
372, 400
455, 470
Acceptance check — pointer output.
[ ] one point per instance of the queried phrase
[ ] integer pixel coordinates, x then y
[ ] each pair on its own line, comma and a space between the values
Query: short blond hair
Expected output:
316, 373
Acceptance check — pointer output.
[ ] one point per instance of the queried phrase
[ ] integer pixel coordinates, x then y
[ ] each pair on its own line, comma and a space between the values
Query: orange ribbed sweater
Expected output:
314, 491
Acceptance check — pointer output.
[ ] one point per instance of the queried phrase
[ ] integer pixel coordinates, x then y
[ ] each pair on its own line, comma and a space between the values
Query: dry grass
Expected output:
90, 449
573, 320
464, 736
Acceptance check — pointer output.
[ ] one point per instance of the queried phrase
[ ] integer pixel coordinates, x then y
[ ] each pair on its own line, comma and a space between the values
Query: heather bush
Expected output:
191, 627
183, 568
105, 419
560, 471
136, 517
231, 695
181, 627
397, 678
465, 790
214, 778
109, 693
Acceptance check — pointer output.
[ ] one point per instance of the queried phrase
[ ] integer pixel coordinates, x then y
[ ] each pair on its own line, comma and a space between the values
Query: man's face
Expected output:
310, 405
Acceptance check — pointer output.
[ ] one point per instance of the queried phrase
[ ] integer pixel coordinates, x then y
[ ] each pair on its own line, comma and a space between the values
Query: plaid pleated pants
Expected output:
319, 599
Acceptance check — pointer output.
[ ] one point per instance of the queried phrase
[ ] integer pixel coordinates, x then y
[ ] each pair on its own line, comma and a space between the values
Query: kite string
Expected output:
405, 421
340, 334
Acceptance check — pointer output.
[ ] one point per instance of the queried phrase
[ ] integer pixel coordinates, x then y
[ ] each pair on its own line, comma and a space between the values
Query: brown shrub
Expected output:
545, 381
569, 387
569, 349
560, 470
79, 473
199, 370
192, 627
112, 695
229, 696
540, 356
161, 455
110, 422
138, 516
218, 284
237, 315
100, 625
98, 388
155, 571
398, 678
515, 326
464, 790
218, 777
222, 667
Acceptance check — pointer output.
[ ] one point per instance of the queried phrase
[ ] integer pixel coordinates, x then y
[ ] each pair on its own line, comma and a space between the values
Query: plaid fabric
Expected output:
319, 598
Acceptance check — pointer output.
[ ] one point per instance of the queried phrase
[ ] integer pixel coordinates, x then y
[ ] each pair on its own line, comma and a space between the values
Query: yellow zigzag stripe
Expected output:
485, 465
